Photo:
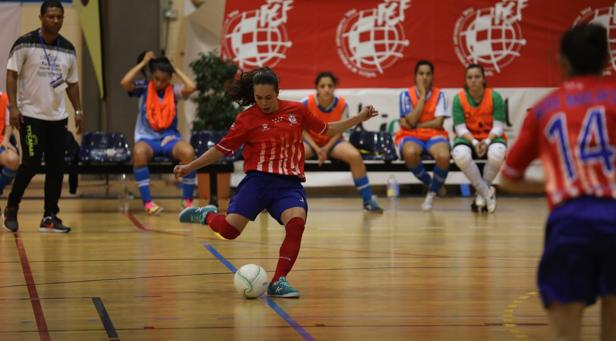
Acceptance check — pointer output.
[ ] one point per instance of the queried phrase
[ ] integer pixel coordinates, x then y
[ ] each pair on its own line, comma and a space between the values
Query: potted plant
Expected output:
215, 110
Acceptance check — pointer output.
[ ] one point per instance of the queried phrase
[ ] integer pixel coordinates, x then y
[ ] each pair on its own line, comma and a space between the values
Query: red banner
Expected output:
376, 43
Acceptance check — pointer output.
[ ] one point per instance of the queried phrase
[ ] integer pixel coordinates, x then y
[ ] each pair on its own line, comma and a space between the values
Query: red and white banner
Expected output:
375, 43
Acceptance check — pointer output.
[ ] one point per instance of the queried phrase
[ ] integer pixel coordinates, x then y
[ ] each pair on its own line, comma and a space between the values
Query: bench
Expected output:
122, 169
108, 153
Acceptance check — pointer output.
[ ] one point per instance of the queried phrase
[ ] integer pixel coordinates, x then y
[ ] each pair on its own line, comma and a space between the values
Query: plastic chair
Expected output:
104, 147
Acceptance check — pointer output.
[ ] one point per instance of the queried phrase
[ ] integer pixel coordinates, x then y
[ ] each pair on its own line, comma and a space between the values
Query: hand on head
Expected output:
149, 56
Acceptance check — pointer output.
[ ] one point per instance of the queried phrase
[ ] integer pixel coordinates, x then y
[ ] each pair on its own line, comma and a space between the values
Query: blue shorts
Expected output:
276, 193
314, 153
579, 256
424, 144
160, 149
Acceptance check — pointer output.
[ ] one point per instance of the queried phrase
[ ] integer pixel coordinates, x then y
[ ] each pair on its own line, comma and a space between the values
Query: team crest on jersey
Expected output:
292, 119
490, 36
265, 127
257, 38
371, 40
605, 16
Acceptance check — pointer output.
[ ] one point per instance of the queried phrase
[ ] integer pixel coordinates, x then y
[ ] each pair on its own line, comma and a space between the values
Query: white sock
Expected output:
463, 157
496, 157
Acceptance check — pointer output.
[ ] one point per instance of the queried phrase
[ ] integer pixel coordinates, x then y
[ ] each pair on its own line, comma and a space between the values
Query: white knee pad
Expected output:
496, 153
462, 155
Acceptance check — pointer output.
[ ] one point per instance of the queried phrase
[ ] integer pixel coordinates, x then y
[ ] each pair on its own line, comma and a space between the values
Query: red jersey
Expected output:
273, 142
573, 131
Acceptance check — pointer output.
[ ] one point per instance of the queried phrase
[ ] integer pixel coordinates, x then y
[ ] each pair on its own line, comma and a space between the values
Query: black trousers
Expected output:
38, 138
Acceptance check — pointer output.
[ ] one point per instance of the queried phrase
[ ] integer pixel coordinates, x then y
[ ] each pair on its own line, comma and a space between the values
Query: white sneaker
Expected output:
427, 204
480, 202
491, 201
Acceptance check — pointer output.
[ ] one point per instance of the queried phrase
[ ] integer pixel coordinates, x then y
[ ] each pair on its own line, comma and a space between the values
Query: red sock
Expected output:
218, 223
289, 248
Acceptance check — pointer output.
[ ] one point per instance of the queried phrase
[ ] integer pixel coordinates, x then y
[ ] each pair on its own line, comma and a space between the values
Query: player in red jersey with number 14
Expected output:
573, 131
271, 132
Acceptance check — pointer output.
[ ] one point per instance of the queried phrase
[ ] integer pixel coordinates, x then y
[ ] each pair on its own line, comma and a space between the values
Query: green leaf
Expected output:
215, 110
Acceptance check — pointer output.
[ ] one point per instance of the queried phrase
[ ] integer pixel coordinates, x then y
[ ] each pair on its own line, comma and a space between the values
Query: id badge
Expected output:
58, 85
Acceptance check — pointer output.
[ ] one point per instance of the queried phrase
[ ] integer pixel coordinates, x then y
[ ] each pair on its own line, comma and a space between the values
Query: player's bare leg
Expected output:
608, 318
565, 321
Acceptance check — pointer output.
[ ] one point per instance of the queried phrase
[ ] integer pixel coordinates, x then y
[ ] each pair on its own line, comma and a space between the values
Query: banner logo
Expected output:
369, 41
490, 36
606, 17
257, 38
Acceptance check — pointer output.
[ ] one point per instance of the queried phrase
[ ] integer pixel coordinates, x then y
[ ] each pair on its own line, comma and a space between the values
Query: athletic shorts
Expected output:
579, 257
275, 193
161, 149
424, 144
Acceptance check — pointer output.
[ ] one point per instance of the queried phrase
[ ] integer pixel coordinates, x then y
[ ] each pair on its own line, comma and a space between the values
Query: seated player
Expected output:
329, 108
479, 123
156, 131
423, 109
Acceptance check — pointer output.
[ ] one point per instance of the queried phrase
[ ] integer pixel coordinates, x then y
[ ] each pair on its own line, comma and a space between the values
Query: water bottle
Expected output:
393, 187
124, 196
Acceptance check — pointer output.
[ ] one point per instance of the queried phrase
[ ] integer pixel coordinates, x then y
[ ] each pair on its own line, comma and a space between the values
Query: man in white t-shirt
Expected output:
42, 66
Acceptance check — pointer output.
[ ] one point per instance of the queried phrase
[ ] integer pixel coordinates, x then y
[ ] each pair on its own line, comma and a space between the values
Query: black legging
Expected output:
40, 137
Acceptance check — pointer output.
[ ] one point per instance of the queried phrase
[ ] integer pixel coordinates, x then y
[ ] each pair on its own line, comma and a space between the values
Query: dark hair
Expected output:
424, 62
161, 64
481, 69
585, 47
51, 4
325, 74
242, 89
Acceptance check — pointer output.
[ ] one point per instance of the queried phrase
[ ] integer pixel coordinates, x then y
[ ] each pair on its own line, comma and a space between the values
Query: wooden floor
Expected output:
403, 275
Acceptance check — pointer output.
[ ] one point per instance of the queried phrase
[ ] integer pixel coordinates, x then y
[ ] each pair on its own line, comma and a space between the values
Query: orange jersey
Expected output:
427, 114
335, 114
480, 119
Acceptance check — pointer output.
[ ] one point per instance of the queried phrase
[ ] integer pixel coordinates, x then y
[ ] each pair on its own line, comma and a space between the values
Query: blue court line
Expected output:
275, 307
220, 257
112, 334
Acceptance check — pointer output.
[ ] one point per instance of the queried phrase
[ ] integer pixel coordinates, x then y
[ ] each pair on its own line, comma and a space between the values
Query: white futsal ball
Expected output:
250, 280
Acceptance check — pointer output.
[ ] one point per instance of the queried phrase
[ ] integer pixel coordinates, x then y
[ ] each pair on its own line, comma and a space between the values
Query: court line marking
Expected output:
112, 334
296, 326
39, 315
143, 227
223, 273
268, 300
508, 315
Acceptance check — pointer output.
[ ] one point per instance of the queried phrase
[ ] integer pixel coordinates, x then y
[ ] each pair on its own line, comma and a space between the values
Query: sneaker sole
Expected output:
291, 295
155, 213
48, 230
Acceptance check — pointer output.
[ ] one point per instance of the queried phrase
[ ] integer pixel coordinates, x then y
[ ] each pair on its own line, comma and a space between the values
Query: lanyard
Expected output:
51, 66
